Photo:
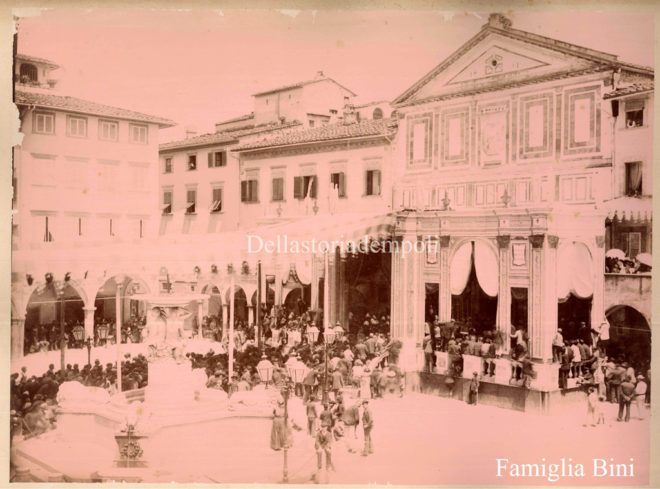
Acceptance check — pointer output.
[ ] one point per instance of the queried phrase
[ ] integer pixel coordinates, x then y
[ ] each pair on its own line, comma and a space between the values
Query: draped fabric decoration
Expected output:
574, 272
487, 268
461, 265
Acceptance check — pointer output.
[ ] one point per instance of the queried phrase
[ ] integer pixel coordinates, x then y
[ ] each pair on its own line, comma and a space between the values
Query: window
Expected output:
278, 189
48, 236
168, 165
167, 202
250, 190
112, 233
76, 127
633, 244
216, 200
192, 162
141, 230
338, 181
311, 123
108, 177
378, 113
634, 113
138, 133
634, 179
304, 187
80, 226
28, 73
217, 159
108, 130
191, 200
373, 182
44, 123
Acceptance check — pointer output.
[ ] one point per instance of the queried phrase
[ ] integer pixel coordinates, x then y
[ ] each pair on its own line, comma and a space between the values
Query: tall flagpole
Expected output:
232, 314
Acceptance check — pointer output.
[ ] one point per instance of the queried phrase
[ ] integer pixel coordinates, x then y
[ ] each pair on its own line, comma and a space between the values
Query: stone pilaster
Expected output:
315, 284
535, 328
504, 293
332, 288
343, 292
444, 288
17, 337
396, 302
549, 321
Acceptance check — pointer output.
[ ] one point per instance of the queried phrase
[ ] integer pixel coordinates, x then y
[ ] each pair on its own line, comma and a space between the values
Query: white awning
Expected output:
629, 208
574, 272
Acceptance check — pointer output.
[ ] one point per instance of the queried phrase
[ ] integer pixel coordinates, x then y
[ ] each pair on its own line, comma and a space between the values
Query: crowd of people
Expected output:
625, 266
33, 398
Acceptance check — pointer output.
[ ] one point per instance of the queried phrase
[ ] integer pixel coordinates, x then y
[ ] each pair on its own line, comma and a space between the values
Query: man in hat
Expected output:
351, 420
323, 444
601, 335
427, 346
640, 395
367, 426
626, 395
473, 393
557, 346
312, 414
371, 345
337, 382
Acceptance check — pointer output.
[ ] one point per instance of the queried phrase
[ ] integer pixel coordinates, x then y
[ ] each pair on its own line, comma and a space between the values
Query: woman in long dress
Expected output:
278, 431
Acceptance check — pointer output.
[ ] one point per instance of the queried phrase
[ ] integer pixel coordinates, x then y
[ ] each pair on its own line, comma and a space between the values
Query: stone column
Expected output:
315, 284
536, 279
413, 306
17, 337
597, 302
444, 289
278, 284
343, 291
504, 293
89, 322
332, 288
549, 317
251, 315
225, 320
396, 302
200, 316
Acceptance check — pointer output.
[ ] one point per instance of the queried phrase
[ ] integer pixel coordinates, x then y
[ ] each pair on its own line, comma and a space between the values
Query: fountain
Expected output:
135, 434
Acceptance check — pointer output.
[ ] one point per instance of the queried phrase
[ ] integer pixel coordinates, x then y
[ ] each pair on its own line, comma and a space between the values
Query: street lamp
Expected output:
339, 331
265, 370
58, 288
329, 337
78, 334
103, 334
89, 351
312, 334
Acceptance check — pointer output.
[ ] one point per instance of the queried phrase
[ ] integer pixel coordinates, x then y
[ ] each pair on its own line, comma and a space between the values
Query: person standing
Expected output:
557, 346
473, 394
351, 419
337, 382
367, 426
602, 335
640, 395
428, 353
626, 395
323, 445
278, 431
312, 414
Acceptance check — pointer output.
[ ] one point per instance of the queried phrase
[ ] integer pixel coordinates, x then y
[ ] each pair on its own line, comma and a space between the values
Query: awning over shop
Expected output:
575, 273
629, 209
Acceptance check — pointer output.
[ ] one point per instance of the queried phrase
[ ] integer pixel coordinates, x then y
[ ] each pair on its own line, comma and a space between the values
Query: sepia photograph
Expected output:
335, 246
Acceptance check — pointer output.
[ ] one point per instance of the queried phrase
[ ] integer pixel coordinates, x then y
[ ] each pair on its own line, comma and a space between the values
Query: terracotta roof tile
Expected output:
629, 90
381, 127
301, 84
72, 104
240, 118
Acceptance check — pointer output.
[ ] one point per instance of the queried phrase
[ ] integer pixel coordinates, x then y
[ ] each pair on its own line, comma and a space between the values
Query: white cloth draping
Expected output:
575, 273
461, 265
303, 263
486, 265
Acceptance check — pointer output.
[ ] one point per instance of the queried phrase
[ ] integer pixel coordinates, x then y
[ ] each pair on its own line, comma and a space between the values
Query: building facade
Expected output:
505, 160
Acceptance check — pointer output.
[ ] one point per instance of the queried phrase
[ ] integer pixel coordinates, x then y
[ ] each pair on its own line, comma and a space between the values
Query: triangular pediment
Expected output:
496, 61
497, 57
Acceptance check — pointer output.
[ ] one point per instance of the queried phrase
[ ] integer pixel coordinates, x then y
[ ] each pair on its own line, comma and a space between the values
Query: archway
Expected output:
630, 337
240, 305
215, 302
133, 312
50, 305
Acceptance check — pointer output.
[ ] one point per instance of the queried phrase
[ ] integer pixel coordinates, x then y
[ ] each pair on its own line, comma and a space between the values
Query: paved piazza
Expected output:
418, 439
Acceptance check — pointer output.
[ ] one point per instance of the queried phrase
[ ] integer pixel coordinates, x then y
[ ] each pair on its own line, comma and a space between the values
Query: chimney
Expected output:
319, 75
191, 132
349, 112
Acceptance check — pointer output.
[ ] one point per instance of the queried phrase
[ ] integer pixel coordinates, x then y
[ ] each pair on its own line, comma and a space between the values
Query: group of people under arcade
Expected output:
33, 398
47, 337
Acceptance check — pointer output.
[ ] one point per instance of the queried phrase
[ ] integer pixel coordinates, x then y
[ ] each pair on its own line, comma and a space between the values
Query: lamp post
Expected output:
78, 334
295, 374
89, 351
58, 288
103, 334
328, 338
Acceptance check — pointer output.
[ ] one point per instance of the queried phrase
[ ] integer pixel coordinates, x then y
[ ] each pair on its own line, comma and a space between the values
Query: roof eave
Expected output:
309, 143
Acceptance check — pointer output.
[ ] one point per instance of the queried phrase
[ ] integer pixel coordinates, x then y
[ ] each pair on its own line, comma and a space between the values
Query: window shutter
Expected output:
342, 184
254, 190
376, 185
244, 190
211, 160
298, 183
312, 192
223, 158
369, 177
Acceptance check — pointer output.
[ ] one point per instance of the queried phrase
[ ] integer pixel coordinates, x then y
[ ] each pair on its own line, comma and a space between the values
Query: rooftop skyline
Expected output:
198, 67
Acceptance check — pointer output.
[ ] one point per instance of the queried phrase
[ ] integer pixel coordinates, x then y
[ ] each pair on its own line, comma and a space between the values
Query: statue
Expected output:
165, 332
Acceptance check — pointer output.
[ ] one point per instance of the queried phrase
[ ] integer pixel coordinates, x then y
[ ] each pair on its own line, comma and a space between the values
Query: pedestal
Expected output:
547, 377
502, 371
131, 452
441, 362
471, 364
